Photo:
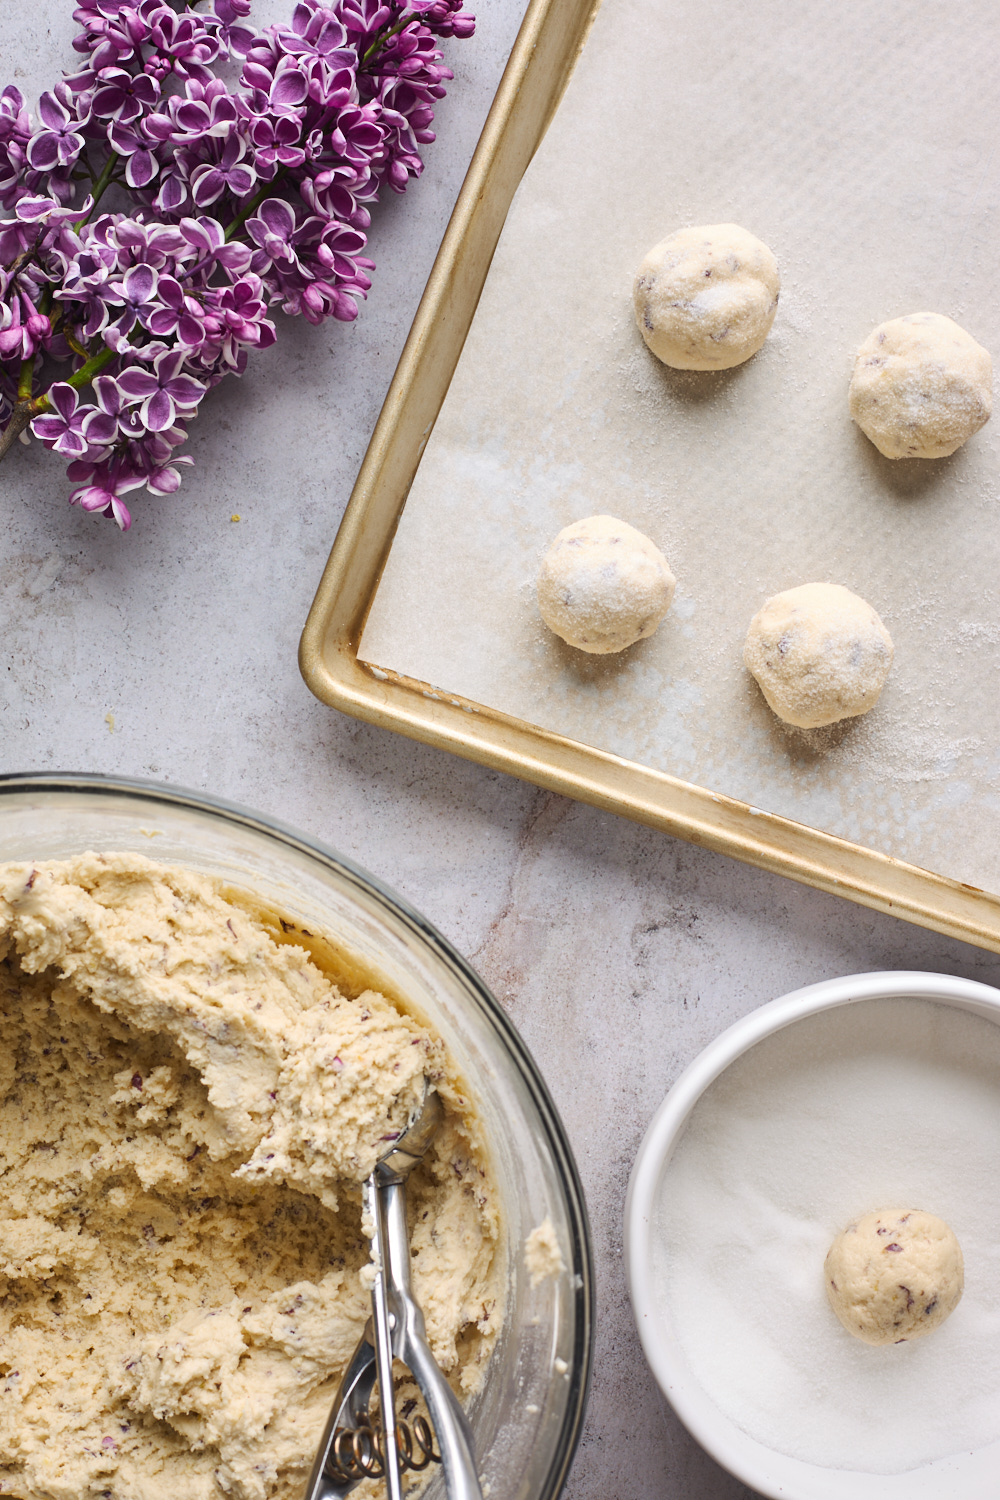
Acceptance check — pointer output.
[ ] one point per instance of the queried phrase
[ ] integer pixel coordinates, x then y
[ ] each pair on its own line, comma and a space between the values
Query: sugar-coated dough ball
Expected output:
603, 585
921, 386
894, 1275
705, 298
819, 654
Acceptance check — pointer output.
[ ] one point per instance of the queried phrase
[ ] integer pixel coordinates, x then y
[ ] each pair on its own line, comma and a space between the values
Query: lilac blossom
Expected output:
135, 294
202, 110
205, 243
156, 462
241, 321
141, 165
184, 44
163, 391
230, 173
274, 139
15, 134
108, 481
238, 38
70, 427
122, 419
60, 143
115, 324
178, 313
23, 329
122, 96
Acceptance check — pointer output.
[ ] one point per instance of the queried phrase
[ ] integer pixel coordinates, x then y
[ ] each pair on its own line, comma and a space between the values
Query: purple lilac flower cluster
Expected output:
235, 200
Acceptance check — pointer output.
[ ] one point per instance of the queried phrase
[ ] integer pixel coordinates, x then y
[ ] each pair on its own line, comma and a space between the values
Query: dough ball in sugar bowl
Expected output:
705, 298
819, 654
894, 1275
921, 386
603, 585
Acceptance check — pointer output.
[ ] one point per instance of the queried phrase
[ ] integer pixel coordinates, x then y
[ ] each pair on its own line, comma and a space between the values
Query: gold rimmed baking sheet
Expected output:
437, 603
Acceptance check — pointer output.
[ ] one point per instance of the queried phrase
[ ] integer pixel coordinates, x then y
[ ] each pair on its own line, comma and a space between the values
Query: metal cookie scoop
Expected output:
352, 1448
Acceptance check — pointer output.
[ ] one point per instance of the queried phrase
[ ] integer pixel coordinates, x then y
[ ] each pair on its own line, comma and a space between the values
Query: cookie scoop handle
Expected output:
409, 1343
327, 1481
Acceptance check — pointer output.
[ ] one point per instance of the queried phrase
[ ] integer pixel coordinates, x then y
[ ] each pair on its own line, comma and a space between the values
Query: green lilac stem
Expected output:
100, 187
27, 408
267, 191
81, 377
381, 40
25, 378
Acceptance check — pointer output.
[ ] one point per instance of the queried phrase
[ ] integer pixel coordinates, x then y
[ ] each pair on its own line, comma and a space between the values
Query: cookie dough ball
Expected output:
603, 585
921, 386
894, 1275
819, 654
705, 299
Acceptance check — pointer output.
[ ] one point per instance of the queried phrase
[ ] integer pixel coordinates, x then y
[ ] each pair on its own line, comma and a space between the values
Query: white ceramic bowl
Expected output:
968, 1475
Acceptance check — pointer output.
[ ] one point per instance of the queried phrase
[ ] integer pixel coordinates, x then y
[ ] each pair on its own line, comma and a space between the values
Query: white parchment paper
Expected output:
860, 141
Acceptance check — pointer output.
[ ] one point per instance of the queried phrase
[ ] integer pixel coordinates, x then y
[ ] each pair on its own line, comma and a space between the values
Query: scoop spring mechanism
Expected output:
359, 1453
353, 1446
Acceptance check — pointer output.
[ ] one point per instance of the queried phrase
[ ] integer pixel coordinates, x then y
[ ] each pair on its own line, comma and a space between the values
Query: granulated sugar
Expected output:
878, 1104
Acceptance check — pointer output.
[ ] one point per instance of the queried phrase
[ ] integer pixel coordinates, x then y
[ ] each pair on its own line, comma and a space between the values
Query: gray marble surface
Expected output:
170, 653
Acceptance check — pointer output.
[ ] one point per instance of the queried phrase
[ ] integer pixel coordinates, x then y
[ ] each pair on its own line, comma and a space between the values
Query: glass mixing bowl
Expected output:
528, 1413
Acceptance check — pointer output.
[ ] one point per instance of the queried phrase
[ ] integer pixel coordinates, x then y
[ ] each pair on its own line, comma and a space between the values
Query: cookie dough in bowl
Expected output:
188, 1111
921, 386
197, 1104
705, 298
